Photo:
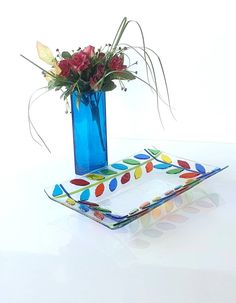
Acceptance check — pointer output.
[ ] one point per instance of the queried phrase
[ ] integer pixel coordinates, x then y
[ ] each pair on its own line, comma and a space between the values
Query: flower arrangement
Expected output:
90, 69
86, 69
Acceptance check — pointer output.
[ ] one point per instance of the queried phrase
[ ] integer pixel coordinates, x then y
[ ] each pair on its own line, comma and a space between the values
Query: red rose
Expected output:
89, 51
79, 61
65, 67
97, 76
100, 71
116, 63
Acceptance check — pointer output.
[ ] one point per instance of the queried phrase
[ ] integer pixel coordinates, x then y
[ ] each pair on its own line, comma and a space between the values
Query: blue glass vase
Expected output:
89, 130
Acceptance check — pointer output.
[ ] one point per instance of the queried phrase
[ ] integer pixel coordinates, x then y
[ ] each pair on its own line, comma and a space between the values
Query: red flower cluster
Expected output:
78, 62
97, 76
87, 69
65, 67
117, 63
81, 61
89, 51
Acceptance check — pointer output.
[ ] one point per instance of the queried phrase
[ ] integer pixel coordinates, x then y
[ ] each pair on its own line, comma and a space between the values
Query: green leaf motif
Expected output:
131, 161
155, 152
174, 171
108, 172
95, 177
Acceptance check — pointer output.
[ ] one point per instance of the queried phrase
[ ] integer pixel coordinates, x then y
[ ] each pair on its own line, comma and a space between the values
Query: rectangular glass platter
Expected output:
128, 189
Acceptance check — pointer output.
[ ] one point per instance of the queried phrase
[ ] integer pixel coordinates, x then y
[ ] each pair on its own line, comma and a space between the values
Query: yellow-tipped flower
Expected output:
45, 54
55, 71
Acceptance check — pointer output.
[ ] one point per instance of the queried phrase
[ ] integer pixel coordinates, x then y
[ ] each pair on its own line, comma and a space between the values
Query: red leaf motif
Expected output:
183, 164
149, 167
125, 178
99, 215
189, 175
79, 182
99, 190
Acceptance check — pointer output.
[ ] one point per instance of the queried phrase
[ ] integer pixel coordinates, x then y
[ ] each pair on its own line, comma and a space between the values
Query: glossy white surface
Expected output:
49, 253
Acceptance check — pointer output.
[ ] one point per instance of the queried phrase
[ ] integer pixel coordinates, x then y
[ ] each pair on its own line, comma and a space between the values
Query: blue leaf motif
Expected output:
57, 191
142, 157
200, 168
162, 165
85, 195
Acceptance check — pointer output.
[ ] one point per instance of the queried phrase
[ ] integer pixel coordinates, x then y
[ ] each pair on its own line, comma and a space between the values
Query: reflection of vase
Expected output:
89, 131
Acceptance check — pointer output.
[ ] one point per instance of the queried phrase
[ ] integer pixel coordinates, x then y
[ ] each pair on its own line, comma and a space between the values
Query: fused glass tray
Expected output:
128, 189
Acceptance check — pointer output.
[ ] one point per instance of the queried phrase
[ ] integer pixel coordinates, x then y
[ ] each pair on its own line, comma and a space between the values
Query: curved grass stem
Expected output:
31, 124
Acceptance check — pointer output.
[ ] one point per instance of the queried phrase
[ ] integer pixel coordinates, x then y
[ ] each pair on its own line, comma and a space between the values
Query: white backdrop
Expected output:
195, 40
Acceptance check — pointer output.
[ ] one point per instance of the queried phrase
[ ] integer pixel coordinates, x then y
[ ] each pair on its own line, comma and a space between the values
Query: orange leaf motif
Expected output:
189, 175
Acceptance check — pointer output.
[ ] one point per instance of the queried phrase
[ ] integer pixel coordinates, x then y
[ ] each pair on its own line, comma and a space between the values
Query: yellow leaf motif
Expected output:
45, 54
166, 158
138, 172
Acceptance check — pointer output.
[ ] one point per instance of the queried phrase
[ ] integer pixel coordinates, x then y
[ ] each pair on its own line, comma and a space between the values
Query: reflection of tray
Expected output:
124, 191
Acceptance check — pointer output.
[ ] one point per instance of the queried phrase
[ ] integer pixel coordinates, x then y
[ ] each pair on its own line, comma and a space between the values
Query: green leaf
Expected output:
108, 85
124, 75
66, 55
67, 94
83, 85
51, 84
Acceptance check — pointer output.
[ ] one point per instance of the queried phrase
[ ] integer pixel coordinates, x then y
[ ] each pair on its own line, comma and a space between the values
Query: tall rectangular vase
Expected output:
89, 130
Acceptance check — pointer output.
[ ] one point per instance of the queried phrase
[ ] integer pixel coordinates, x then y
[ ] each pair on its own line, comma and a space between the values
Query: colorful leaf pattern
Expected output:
108, 180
